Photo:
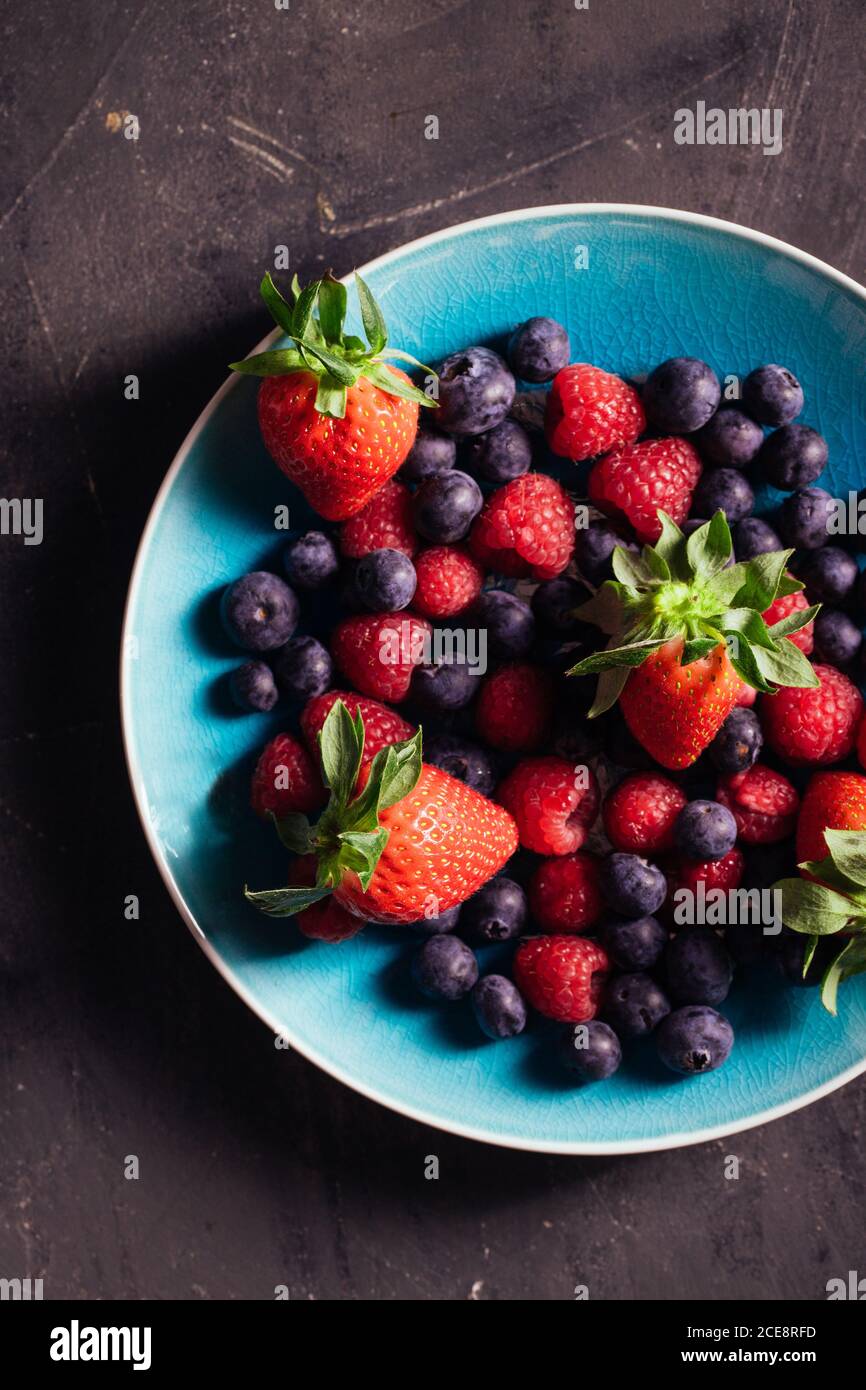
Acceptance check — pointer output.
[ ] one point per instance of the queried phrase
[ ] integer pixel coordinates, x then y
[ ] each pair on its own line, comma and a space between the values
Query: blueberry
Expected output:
445, 968
311, 560
553, 604
804, 518
444, 685
498, 1007
468, 762
591, 1050
829, 574
632, 885
752, 537
738, 743
303, 668
793, 456
538, 349
698, 969
772, 395
253, 687
705, 830
259, 611
500, 454
445, 506
681, 394
436, 926
729, 438
507, 620
837, 638
475, 391
574, 736
433, 452
385, 580
694, 1040
497, 912
723, 489
634, 1004
633, 944
766, 864
593, 548
745, 942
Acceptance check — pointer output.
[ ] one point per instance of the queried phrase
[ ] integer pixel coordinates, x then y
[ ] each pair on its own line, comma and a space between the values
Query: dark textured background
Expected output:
306, 128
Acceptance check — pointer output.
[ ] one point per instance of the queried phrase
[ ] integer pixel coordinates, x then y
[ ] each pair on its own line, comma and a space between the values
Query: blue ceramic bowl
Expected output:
657, 283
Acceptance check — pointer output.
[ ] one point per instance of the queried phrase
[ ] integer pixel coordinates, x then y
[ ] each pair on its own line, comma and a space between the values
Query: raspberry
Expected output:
385, 523
515, 707
381, 724
813, 726
525, 529
449, 579
561, 976
639, 814
861, 744
763, 803
286, 779
781, 608
722, 873
634, 480
325, 920
590, 411
747, 696
553, 802
564, 894
378, 652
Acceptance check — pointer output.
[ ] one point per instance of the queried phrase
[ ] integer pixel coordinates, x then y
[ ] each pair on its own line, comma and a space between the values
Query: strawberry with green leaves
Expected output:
410, 836
336, 418
829, 906
686, 629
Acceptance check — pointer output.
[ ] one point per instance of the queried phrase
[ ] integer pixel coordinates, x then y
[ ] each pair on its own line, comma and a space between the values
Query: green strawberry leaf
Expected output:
794, 621
609, 688
346, 373
826, 871
744, 660
656, 564
381, 375
341, 748
295, 832
848, 962
812, 908
696, 647
747, 623
361, 851
331, 398
709, 548
630, 569
371, 316
277, 362
725, 585
302, 314
402, 771
671, 546
809, 953
787, 665
632, 654
848, 852
604, 609
333, 300
763, 576
280, 311
285, 902
788, 585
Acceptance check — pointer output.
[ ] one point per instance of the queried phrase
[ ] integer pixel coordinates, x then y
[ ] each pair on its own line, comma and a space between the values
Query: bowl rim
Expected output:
417, 1112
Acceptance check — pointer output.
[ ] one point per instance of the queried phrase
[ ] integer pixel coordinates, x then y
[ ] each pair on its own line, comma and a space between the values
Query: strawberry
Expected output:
783, 607
379, 651
564, 894
286, 779
336, 418
590, 411
449, 579
561, 976
685, 631
813, 727
640, 813
636, 480
763, 803
832, 801
385, 523
515, 707
747, 693
553, 802
325, 920
525, 529
411, 835
381, 724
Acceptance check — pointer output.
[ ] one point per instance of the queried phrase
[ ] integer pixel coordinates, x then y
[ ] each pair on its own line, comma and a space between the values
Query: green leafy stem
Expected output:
835, 905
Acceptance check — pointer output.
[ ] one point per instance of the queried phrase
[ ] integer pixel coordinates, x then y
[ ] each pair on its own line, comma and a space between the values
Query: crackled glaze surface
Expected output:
655, 287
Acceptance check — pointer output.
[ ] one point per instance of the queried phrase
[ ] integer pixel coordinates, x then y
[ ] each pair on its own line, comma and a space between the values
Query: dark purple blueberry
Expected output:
554, 604
497, 912
503, 453
829, 574
837, 639
698, 969
729, 439
632, 886
445, 506
311, 561
444, 685
726, 490
436, 926
385, 580
752, 537
259, 611
680, 395
804, 518
433, 452
766, 864
445, 968
591, 1050
475, 391
574, 736
738, 743
303, 668
772, 395
507, 620
634, 1004
705, 830
793, 457
498, 1007
253, 687
593, 548
538, 349
746, 943
633, 943
467, 762
694, 1040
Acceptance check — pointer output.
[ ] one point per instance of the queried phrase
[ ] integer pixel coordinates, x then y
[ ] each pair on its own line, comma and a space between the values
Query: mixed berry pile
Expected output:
629, 685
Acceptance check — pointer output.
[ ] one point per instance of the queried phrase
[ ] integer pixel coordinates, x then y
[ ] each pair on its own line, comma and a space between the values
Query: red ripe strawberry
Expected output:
286, 779
564, 895
379, 651
640, 813
385, 523
590, 411
553, 802
674, 711
813, 726
561, 976
763, 803
449, 579
336, 418
381, 724
783, 607
525, 529
515, 707
832, 801
634, 481
325, 920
